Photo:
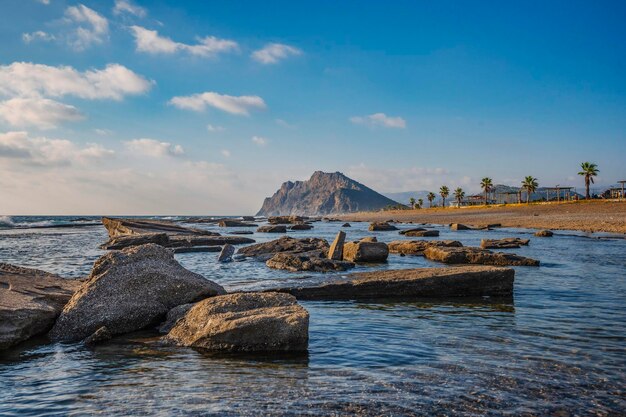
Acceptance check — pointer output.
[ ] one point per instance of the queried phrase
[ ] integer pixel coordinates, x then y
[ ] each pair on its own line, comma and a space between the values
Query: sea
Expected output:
556, 348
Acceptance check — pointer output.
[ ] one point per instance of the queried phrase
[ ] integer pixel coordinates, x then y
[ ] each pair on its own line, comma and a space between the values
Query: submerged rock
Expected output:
462, 281
130, 290
30, 302
285, 244
346, 225
226, 255
471, 255
244, 322
365, 251
241, 232
506, 243
336, 248
302, 262
382, 227
272, 229
544, 233
235, 223
417, 247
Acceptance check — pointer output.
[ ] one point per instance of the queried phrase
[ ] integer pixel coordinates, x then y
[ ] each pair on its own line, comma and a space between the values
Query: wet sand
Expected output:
592, 216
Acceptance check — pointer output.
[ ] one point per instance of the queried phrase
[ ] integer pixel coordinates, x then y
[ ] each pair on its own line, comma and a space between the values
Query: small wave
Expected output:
6, 221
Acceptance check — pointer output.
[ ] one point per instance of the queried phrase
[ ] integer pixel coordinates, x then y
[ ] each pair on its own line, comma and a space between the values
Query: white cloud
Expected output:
225, 153
212, 128
37, 36
41, 112
283, 123
154, 148
113, 82
92, 28
274, 52
45, 151
150, 41
259, 141
103, 132
46, 2
231, 104
126, 6
379, 119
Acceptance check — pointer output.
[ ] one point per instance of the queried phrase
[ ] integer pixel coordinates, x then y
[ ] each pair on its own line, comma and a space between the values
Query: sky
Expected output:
206, 107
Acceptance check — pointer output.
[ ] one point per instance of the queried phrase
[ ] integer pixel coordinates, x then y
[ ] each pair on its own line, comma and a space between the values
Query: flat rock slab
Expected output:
129, 290
506, 243
30, 302
471, 255
120, 227
382, 227
244, 322
421, 233
235, 223
364, 251
301, 262
272, 229
417, 247
301, 226
285, 244
462, 281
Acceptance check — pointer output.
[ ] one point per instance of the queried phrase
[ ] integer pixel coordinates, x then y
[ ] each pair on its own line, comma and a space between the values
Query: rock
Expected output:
336, 248
460, 281
286, 219
129, 290
194, 249
179, 241
302, 262
226, 255
99, 336
248, 218
506, 243
323, 194
241, 232
125, 241
244, 322
346, 225
422, 233
494, 225
459, 226
382, 227
173, 316
285, 244
417, 247
272, 229
365, 252
415, 229
301, 226
30, 301
544, 233
235, 223
369, 239
470, 255
120, 227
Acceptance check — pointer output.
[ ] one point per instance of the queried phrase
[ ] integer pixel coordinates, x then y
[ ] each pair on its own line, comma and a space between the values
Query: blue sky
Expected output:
132, 107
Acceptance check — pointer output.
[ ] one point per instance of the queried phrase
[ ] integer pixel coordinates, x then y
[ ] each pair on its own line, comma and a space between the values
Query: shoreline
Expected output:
582, 216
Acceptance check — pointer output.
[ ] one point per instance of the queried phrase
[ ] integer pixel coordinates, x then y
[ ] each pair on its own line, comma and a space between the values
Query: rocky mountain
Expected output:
323, 193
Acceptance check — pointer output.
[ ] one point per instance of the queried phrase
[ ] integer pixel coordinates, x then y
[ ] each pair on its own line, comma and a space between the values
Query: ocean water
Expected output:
557, 348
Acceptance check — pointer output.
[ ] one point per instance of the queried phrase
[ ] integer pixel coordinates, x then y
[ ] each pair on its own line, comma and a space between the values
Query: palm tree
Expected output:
529, 184
487, 185
459, 194
444, 192
412, 202
420, 202
431, 196
589, 171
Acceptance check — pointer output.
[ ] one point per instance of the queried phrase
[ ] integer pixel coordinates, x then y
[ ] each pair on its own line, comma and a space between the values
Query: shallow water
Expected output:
558, 348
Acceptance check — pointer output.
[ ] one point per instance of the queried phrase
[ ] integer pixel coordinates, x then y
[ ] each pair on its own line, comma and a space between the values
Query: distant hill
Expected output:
324, 193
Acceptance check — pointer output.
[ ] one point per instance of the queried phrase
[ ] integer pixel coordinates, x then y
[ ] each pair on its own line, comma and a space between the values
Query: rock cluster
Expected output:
303, 262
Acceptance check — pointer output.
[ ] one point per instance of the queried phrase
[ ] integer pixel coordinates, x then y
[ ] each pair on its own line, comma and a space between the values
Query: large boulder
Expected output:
302, 262
130, 290
120, 227
30, 302
284, 244
244, 322
365, 251
506, 243
461, 281
336, 248
234, 223
272, 229
471, 255
384, 226
417, 247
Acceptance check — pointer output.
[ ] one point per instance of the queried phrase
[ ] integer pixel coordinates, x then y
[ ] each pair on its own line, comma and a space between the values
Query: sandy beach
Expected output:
592, 216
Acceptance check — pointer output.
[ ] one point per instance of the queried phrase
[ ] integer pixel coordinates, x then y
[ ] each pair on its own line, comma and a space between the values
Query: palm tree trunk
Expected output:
485, 197
587, 196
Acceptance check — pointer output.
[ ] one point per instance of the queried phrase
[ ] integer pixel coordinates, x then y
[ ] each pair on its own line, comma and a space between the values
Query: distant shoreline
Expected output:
586, 216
